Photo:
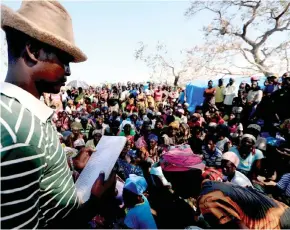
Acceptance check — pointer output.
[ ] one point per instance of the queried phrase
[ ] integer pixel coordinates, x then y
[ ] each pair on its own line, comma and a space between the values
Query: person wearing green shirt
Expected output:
37, 188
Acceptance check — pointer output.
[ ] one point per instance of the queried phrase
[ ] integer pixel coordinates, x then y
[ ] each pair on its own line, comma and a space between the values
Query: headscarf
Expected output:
136, 184
250, 136
196, 115
232, 157
76, 125
140, 143
255, 126
181, 158
70, 102
174, 124
153, 137
181, 111
97, 131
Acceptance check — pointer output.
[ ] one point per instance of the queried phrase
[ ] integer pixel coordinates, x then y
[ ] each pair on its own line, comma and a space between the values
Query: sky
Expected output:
109, 32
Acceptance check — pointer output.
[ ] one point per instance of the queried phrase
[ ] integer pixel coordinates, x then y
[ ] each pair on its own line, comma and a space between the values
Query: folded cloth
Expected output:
136, 184
212, 174
180, 159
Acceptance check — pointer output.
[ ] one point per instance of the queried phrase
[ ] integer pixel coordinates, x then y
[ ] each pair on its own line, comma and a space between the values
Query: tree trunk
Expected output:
176, 78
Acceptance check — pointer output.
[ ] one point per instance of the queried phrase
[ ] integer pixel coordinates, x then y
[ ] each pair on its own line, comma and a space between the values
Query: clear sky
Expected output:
109, 32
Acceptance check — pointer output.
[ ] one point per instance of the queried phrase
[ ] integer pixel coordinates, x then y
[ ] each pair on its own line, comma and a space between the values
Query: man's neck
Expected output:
17, 75
230, 177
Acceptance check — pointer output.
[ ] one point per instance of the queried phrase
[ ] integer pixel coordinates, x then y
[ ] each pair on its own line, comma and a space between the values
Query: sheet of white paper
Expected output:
104, 159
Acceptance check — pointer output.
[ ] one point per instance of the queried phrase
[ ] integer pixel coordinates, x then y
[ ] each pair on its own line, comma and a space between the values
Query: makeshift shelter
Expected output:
195, 89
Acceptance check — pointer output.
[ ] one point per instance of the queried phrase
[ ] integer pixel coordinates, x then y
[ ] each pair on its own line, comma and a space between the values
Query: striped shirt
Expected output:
284, 184
212, 159
36, 185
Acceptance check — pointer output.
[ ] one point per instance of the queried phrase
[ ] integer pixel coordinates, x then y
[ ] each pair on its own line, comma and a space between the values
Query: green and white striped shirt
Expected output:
36, 184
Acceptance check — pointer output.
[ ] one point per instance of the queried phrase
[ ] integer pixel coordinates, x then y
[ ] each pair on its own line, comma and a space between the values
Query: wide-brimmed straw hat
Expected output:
46, 21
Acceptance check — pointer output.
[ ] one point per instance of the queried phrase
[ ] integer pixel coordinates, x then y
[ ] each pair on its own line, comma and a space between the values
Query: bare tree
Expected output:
246, 28
160, 63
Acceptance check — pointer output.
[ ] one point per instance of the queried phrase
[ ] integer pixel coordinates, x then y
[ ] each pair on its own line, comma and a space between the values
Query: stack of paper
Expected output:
104, 159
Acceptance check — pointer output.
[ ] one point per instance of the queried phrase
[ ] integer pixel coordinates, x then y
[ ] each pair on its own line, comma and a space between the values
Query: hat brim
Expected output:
12, 19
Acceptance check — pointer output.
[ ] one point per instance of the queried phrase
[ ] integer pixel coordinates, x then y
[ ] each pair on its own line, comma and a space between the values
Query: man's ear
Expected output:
32, 52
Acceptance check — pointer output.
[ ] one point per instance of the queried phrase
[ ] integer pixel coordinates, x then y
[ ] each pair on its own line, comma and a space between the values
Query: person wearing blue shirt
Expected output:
249, 156
139, 214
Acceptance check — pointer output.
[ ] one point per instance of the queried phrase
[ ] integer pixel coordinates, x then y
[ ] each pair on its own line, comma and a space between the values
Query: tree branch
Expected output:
276, 27
254, 14
283, 12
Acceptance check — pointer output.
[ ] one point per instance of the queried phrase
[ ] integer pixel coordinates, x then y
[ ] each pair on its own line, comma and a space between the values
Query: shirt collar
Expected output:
35, 106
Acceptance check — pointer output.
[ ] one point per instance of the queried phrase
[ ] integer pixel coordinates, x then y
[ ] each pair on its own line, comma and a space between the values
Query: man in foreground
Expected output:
37, 188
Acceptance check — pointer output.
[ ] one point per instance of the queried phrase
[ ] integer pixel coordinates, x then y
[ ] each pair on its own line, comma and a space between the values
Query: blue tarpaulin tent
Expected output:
195, 89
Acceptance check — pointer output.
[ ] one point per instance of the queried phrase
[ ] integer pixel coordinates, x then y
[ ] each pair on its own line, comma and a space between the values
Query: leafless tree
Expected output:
159, 62
245, 28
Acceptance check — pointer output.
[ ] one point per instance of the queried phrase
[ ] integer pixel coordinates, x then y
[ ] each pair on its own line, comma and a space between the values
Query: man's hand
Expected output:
102, 187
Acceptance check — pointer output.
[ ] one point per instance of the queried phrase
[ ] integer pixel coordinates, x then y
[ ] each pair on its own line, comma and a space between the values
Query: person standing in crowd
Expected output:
279, 98
219, 95
254, 97
33, 194
230, 92
158, 94
123, 97
272, 86
209, 97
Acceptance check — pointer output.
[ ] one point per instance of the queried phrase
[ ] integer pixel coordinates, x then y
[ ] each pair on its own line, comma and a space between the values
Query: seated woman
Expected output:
128, 132
196, 140
249, 156
184, 134
64, 119
153, 147
217, 118
130, 108
223, 133
170, 138
126, 163
235, 127
76, 128
97, 135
